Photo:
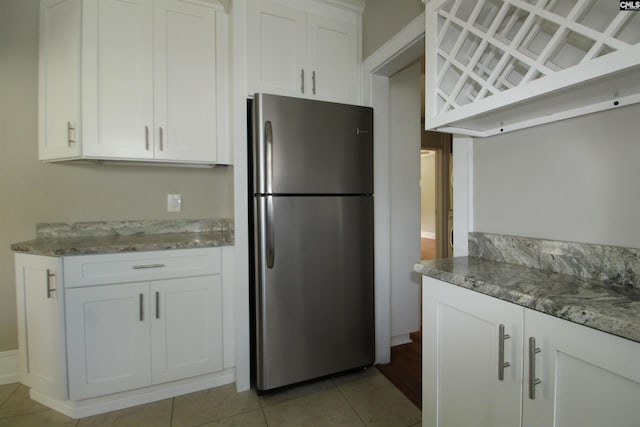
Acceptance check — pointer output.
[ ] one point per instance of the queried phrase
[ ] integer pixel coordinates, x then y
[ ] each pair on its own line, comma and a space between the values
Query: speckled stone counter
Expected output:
605, 306
86, 238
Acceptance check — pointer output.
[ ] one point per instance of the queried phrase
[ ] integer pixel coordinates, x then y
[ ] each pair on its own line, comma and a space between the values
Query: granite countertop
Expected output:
88, 238
605, 306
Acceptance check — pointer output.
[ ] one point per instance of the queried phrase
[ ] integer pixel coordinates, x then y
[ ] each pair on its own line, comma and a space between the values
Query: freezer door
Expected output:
312, 147
314, 308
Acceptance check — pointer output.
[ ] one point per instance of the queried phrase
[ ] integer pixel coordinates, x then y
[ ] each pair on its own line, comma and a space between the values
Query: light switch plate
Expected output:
174, 202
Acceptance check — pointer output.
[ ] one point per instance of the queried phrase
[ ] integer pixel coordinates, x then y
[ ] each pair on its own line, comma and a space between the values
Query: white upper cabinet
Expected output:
277, 48
332, 58
118, 76
310, 50
499, 65
185, 81
59, 79
151, 77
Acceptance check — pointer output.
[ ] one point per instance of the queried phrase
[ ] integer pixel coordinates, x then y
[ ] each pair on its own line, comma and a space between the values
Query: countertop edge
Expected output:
579, 314
100, 245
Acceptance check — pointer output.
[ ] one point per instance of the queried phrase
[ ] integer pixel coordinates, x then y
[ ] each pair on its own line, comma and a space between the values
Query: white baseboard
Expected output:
98, 405
9, 367
400, 339
428, 235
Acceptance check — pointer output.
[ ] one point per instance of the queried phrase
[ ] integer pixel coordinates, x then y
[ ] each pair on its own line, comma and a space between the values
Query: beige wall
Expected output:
384, 18
428, 193
574, 180
32, 192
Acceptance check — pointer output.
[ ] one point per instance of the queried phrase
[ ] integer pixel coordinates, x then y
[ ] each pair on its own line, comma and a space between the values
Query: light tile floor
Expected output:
364, 398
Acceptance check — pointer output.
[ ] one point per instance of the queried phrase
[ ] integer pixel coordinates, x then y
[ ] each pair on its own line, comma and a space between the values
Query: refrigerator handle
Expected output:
271, 250
268, 131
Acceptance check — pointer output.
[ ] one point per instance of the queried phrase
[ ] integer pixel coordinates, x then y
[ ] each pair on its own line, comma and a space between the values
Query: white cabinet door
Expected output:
461, 343
587, 378
40, 311
186, 327
277, 49
332, 59
185, 81
59, 74
108, 339
118, 79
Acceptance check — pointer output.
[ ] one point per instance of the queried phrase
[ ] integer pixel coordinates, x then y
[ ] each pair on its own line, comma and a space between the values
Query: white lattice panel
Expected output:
483, 49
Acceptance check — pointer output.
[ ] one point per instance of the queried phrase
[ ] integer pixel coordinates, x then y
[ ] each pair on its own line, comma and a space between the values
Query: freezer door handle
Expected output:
268, 132
271, 250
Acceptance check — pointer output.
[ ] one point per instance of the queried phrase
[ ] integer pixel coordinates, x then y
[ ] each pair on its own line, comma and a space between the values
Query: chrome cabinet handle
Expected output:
501, 363
533, 381
302, 80
271, 249
143, 266
50, 290
146, 137
161, 144
141, 302
157, 305
71, 133
313, 82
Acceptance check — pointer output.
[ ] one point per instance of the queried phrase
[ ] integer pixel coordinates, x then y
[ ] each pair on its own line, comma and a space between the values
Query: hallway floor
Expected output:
405, 369
364, 398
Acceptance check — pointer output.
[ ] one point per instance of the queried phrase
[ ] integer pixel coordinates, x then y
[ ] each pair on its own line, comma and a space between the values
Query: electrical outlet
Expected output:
174, 202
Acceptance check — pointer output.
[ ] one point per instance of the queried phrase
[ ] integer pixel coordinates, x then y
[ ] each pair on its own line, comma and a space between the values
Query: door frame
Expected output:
402, 49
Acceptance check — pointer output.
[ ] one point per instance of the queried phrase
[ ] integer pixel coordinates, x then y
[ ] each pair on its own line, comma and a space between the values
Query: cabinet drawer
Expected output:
91, 270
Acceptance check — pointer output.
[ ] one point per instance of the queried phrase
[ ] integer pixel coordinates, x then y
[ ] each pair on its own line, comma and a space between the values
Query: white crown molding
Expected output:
402, 43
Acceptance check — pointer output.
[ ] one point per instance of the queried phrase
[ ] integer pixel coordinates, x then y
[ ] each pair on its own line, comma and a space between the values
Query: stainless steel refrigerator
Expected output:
312, 230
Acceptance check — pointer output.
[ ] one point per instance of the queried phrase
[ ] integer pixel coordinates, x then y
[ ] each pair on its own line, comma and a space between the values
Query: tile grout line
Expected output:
10, 395
173, 402
264, 415
344, 396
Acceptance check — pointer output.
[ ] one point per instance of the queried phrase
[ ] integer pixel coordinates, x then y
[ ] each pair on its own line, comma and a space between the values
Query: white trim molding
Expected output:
9, 372
401, 50
462, 193
428, 235
112, 402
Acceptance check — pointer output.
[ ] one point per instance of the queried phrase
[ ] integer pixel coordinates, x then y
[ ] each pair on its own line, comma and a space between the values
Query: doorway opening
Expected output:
436, 195
421, 220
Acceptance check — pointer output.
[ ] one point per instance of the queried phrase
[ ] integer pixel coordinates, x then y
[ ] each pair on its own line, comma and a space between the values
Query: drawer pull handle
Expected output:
157, 305
71, 133
501, 363
50, 290
143, 266
533, 381
313, 79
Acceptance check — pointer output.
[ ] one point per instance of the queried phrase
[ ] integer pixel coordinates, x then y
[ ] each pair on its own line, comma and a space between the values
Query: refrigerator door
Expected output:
311, 147
315, 312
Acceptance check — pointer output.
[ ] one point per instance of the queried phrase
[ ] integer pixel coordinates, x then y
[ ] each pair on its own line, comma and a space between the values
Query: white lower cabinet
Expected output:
108, 339
40, 306
587, 378
97, 325
195, 305
132, 335
581, 377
